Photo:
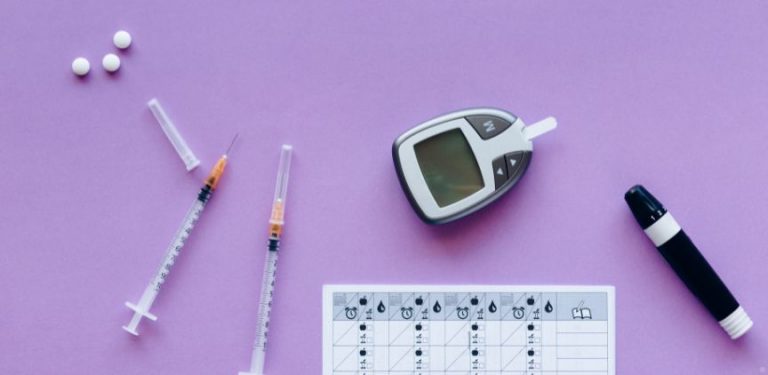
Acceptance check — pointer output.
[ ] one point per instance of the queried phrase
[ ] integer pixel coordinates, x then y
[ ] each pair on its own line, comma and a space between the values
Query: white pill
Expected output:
81, 66
122, 39
110, 62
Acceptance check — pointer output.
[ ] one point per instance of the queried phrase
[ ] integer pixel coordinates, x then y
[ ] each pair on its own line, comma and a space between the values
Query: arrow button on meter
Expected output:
515, 162
500, 175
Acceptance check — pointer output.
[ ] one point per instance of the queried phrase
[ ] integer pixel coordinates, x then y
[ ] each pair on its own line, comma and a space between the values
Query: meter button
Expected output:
515, 162
488, 126
500, 175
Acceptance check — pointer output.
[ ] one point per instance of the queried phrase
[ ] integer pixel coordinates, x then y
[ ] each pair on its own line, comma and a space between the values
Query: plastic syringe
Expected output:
141, 309
276, 222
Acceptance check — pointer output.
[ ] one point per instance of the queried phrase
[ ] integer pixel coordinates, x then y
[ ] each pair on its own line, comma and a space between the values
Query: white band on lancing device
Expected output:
737, 324
662, 230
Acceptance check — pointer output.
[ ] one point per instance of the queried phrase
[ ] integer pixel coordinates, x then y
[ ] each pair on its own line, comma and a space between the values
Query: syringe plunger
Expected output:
141, 311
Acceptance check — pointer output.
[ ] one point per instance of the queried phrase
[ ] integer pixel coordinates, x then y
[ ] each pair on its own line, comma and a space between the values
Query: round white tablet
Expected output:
122, 39
81, 66
110, 62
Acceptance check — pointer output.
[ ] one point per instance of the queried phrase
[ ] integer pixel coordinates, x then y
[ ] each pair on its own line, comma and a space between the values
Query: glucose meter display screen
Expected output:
449, 167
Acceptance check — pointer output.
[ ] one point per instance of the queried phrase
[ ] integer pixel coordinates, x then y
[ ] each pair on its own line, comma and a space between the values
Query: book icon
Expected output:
580, 312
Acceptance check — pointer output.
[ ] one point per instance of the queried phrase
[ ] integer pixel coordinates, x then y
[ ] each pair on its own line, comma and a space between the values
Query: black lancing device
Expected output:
686, 260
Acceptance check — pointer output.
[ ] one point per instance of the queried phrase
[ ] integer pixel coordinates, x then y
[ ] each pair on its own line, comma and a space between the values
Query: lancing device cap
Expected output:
644, 206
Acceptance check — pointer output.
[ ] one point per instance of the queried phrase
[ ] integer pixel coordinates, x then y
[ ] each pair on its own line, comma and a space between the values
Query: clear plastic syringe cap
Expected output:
185, 153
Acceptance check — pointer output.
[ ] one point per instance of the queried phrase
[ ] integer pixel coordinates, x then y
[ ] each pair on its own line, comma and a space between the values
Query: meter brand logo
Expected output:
489, 126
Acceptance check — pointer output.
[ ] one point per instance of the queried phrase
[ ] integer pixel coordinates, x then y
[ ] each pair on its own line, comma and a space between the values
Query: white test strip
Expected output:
544, 126
185, 153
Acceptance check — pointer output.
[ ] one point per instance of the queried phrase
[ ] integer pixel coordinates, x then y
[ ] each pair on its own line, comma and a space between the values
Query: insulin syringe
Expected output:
270, 263
141, 309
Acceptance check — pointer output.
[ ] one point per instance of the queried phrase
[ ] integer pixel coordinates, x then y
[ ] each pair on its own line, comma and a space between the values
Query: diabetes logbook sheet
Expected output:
431, 329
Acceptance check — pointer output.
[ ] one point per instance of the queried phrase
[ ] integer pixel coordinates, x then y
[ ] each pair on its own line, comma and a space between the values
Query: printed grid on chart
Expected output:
420, 344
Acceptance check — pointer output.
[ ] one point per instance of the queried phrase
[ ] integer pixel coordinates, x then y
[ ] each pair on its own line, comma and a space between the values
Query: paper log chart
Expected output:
520, 330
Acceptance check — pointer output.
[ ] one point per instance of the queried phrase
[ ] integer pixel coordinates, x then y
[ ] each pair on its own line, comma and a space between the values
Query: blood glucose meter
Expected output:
458, 163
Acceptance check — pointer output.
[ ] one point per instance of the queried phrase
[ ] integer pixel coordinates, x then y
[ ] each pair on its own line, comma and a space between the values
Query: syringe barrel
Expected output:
265, 306
148, 298
177, 243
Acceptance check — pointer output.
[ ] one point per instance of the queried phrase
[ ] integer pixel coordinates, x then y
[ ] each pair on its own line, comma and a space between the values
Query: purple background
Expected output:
669, 95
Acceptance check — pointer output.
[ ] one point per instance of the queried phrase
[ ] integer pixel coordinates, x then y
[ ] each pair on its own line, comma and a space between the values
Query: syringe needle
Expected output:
232, 144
